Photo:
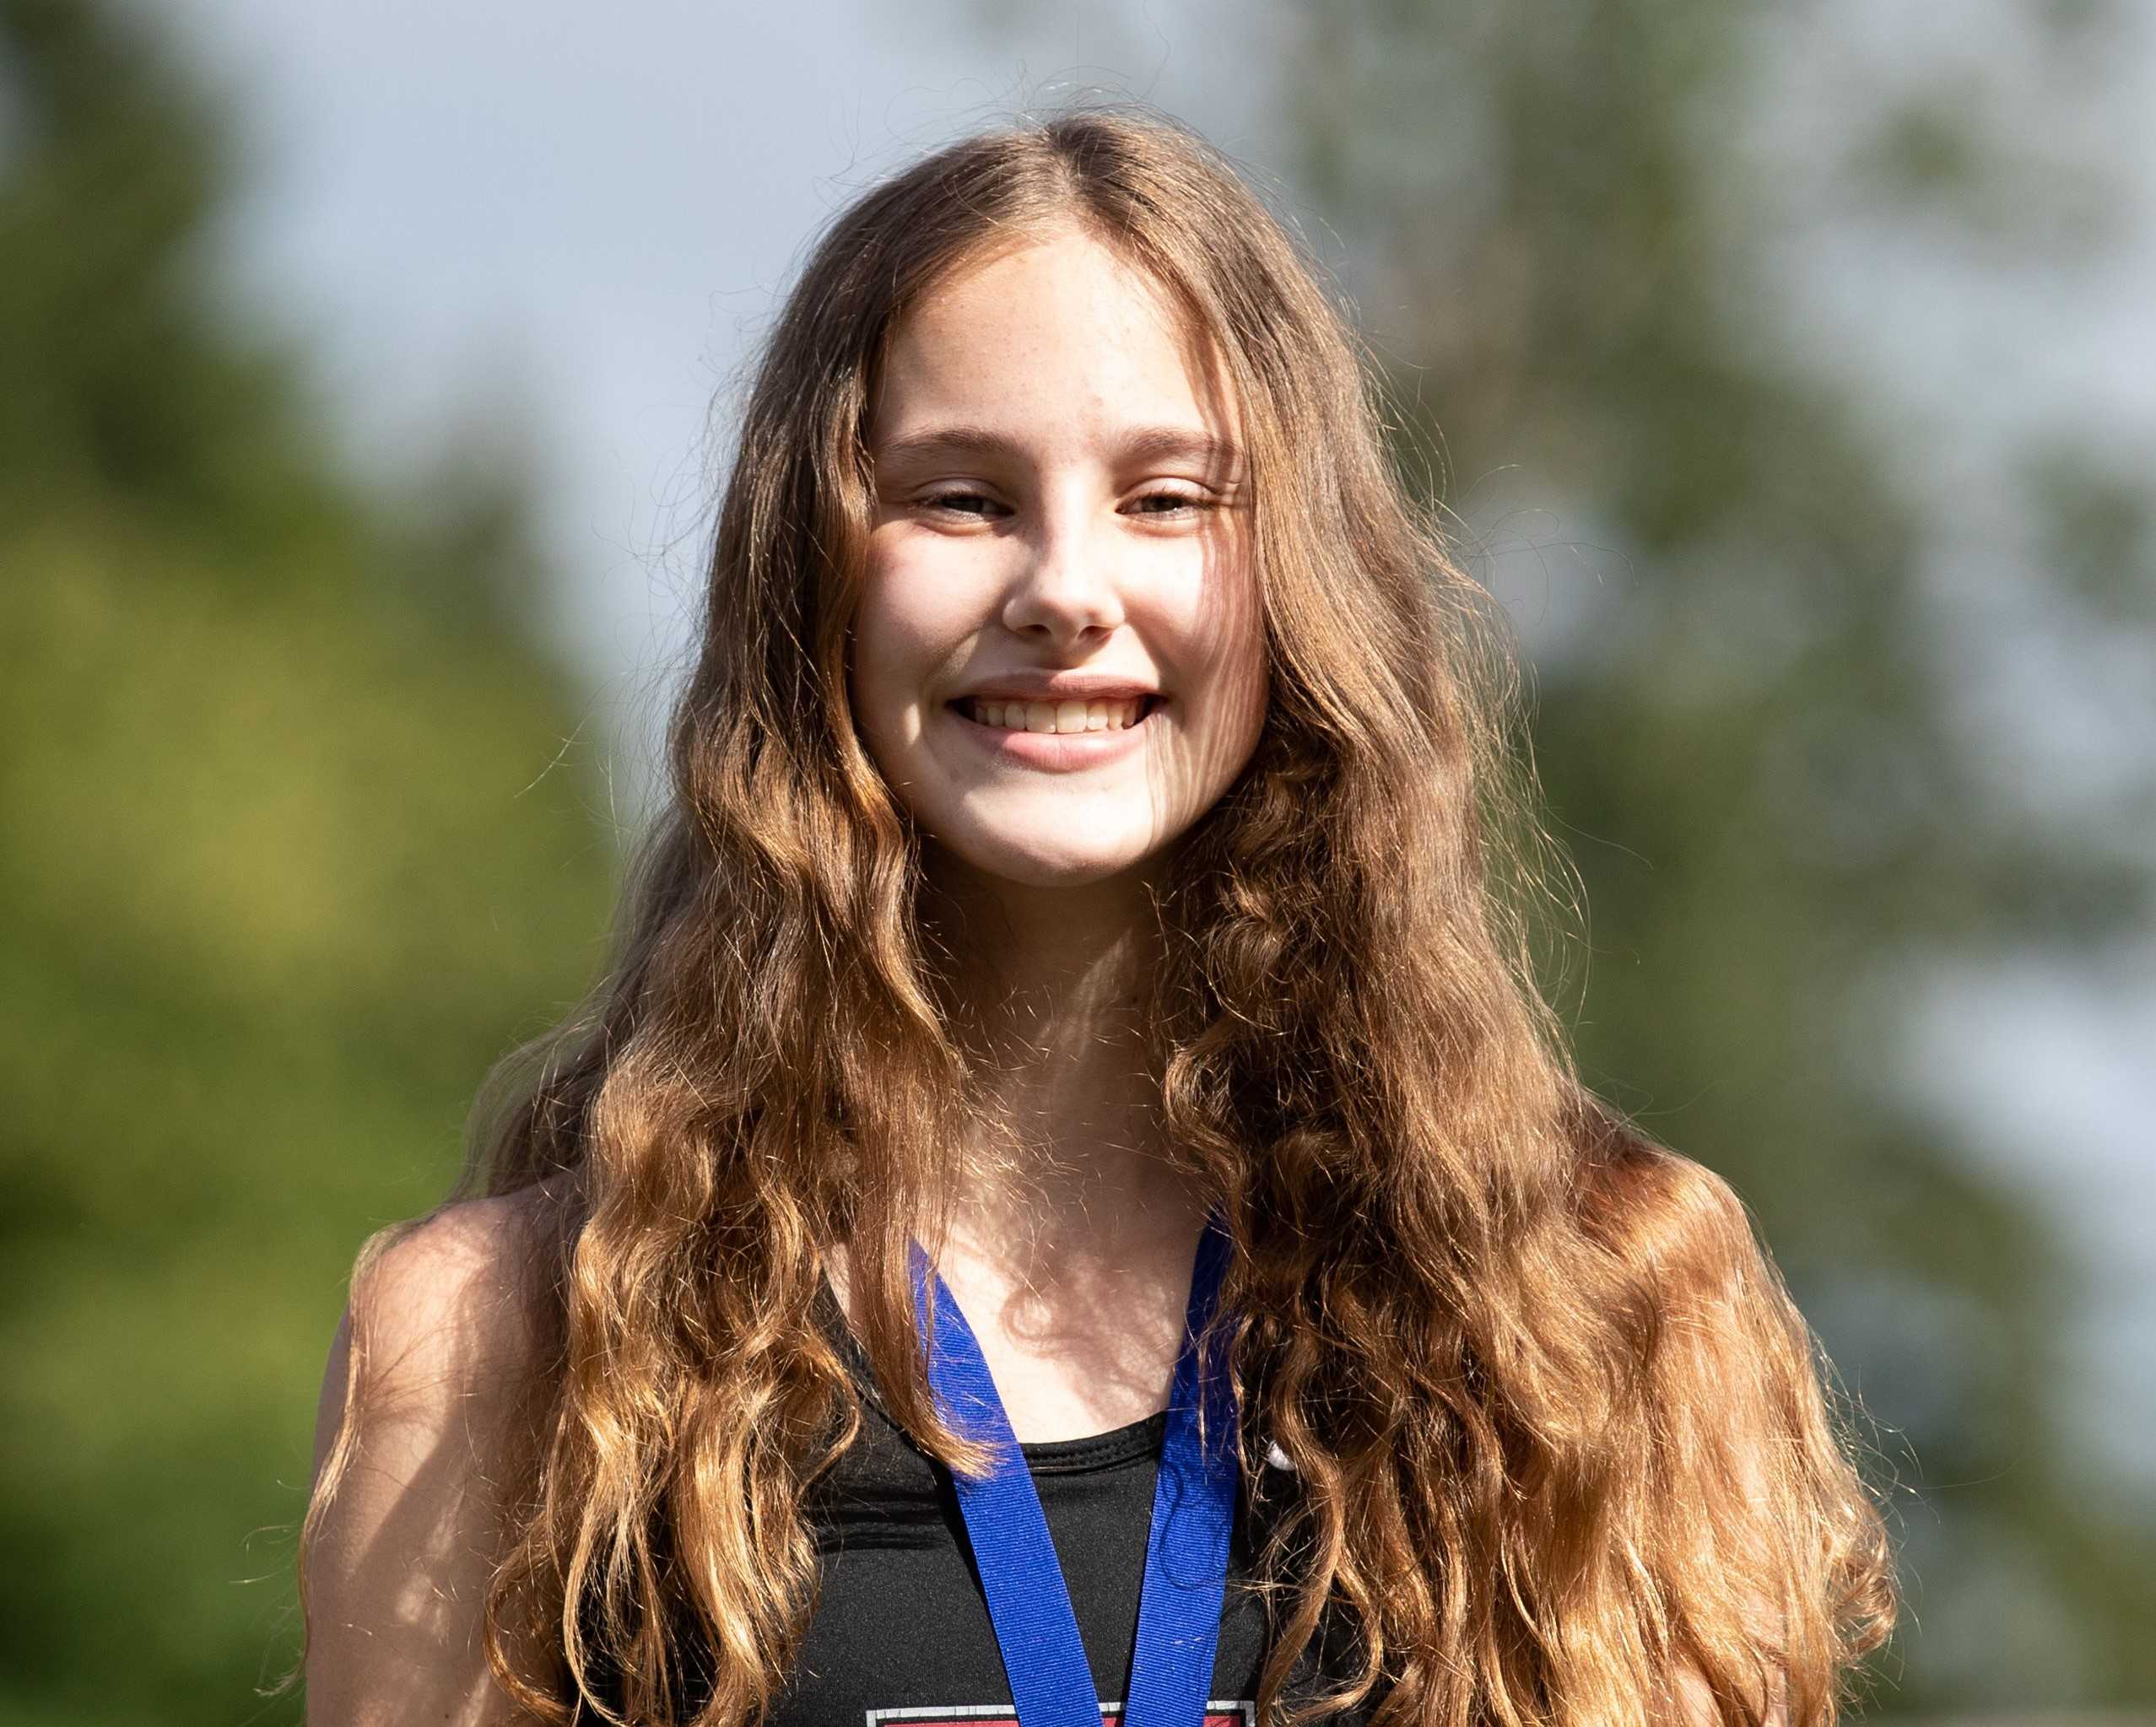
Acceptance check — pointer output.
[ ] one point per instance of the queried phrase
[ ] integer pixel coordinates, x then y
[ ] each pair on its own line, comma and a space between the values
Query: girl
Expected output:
1084, 952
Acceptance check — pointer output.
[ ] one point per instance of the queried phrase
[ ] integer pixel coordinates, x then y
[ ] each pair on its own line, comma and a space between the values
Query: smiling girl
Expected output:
1067, 1199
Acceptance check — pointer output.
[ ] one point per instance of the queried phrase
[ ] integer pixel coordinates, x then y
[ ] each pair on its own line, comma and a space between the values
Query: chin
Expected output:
1029, 867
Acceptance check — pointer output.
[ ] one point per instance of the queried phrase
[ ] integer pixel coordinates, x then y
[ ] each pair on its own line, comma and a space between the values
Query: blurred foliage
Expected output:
1751, 718
288, 855
288, 858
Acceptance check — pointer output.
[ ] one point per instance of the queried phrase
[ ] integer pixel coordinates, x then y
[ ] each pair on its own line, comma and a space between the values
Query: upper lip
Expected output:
1058, 687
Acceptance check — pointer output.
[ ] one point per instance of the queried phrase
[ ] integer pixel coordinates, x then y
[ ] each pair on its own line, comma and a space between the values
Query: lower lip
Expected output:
1060, 752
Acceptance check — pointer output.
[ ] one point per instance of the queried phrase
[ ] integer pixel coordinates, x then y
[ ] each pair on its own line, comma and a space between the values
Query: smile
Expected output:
1059, 736
1059, 717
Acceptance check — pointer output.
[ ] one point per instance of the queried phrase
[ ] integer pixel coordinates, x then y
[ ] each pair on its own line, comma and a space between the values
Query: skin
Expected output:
1066, 549
398, 1579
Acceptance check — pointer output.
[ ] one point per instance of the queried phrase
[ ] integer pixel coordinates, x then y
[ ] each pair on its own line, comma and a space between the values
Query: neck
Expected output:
1068, 1244
1068, 1180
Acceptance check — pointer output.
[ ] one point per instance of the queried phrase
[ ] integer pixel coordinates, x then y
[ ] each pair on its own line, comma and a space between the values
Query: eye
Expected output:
956, 502
1177, 501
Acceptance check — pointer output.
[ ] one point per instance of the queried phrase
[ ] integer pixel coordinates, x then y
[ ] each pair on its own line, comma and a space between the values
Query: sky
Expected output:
578, 219
573, 221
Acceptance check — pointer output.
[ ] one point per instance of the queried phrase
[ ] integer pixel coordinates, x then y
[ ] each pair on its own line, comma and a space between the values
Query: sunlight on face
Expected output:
1059, 496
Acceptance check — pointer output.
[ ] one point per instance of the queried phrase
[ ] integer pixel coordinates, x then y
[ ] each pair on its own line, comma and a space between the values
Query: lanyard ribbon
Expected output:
1185, 1550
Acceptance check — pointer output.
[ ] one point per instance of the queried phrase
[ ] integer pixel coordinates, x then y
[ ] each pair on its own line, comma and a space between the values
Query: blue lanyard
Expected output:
1186, 1551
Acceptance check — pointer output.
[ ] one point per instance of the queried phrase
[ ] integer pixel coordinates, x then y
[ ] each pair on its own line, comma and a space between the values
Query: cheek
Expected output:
1228, 636
874, 673
893, 635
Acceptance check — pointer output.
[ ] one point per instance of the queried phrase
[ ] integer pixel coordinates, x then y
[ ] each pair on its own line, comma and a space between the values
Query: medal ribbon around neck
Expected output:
1185, 1575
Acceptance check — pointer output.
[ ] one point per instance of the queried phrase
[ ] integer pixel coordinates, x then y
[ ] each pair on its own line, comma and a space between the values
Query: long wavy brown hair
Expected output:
1557, 1431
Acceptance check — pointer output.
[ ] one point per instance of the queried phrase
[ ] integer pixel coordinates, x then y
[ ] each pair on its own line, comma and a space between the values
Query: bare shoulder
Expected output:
422, 1437
465, 1261
440, 1309
461, 1290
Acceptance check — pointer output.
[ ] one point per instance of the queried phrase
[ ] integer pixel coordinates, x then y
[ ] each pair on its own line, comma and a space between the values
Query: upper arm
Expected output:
1740, 1414
1743, 1452
1746, 1473
402, 1547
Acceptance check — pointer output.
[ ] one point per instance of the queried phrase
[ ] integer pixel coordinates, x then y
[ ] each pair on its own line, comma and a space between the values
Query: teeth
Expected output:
1057, 716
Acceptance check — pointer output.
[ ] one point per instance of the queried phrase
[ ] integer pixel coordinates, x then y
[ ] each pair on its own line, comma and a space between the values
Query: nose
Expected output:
1065, 585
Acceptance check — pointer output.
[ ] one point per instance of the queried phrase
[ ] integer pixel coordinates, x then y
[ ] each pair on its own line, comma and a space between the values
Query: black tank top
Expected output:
901, 1637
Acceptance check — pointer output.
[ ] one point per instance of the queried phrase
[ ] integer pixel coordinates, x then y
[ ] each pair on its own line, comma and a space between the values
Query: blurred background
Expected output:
364, 383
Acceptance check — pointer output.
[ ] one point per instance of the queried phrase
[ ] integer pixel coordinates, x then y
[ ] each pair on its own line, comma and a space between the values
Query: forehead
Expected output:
1057, 339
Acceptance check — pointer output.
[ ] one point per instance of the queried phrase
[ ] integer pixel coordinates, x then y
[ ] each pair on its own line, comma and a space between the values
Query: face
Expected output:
1062, 515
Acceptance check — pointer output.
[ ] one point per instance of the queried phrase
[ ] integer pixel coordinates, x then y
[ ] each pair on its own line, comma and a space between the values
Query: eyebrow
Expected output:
1140, 444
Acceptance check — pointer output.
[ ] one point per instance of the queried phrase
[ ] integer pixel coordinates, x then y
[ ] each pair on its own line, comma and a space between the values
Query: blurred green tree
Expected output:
1751, 703
291, 848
